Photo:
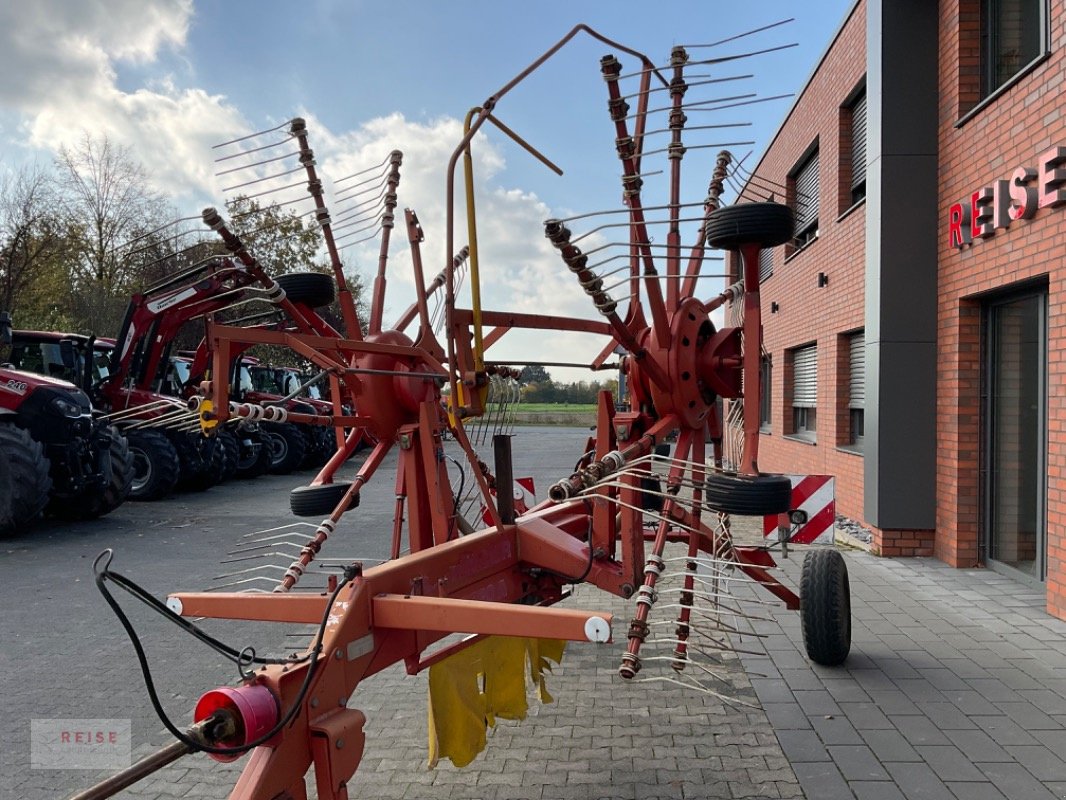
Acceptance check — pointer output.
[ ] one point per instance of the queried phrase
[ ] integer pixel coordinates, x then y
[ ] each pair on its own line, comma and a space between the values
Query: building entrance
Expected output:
1015, 431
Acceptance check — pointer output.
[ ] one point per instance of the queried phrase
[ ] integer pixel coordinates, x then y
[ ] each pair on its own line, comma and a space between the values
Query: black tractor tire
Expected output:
200, 460
253, 454
155, 464
231, 451
24, 479
94, 503
287, 447
313, 289
319, 501
764, 224
751, 496
825, 607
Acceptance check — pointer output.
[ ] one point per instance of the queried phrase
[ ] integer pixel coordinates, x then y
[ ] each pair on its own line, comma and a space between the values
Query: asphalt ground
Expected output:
64, 656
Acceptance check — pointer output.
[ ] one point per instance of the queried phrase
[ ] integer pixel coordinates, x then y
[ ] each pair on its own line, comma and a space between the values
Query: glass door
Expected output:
1016, 432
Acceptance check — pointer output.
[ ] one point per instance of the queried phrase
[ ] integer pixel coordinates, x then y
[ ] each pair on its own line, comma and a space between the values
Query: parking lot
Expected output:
65, 656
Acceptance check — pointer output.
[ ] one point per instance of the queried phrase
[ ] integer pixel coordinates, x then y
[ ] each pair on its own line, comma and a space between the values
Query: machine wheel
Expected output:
651, 487
287, 447
201, 462
752, 496
155, 464
825, 606
319, 501
231, 451
254, 454
764, 224
311, 288
94, 503
24, 479
315, 455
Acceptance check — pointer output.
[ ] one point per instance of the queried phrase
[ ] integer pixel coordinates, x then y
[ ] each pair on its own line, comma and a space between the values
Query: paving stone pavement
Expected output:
955, 687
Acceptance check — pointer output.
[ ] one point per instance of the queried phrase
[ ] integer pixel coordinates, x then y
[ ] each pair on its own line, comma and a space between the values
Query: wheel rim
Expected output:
279, 448
142, 470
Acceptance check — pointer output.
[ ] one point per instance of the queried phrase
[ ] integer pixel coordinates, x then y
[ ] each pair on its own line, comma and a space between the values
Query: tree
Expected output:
32, 238
278, 239
534, 373
108, 202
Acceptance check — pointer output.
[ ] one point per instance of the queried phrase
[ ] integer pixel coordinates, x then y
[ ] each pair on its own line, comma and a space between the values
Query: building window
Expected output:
856, 389
858, 147
765, 407
803, 194
1013, 35
766, 264
804, 391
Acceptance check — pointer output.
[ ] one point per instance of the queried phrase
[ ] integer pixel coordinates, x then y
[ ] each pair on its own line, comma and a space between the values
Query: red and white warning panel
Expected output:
812, 512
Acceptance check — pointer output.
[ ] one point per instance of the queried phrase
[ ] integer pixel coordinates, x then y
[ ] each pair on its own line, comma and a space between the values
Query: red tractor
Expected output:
54, 456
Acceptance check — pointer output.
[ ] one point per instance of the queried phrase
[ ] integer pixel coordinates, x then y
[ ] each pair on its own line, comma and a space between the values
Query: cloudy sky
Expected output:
171, 78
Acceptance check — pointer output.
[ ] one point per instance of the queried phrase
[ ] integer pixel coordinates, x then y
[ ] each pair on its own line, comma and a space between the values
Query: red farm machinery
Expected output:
627, 520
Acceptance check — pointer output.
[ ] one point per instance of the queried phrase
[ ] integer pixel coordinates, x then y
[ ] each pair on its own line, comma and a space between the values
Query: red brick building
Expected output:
910, 327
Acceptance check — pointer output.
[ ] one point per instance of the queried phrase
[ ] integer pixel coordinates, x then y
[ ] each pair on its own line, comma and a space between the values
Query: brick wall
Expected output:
1012, 130
807, 313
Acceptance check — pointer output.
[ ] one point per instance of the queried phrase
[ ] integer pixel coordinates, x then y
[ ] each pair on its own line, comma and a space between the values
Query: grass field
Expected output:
558, 408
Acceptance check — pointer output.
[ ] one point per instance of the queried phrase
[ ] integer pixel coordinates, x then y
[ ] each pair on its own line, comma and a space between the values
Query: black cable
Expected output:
462, 481
103, 574
234, 655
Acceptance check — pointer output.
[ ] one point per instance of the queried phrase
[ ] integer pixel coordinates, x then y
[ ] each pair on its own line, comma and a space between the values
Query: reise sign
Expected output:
995, 207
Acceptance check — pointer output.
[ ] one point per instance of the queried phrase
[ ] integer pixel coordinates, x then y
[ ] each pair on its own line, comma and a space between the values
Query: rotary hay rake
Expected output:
609, 524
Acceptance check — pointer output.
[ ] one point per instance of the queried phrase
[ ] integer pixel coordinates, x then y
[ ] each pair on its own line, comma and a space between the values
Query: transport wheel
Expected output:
287, 447
319, 501
93, 502
764, 224
254, 450
155, 464
24, 479
825, 607
311, 288
752, 496
231, 451
651, 487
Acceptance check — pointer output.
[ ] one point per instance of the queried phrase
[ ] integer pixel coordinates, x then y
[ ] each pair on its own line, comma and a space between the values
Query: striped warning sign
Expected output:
813, 511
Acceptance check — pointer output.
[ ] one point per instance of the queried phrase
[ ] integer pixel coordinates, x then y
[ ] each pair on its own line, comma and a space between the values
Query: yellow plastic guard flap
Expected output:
469, 690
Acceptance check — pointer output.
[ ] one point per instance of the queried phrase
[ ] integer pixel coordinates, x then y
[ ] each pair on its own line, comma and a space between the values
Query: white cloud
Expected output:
58, 73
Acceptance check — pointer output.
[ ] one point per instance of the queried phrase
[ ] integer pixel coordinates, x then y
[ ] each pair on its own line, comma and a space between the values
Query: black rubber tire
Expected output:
313, 289
24, 479
748, 496
316, 454
319, 501
93, 503
651, 498
764, 224
287, 447
155, 464
254, 454
200, 460
231, 450
825, 607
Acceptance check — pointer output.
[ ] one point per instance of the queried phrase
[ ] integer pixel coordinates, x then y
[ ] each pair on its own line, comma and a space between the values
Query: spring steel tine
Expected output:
243, 167
342, 194
358, 241
364, 171
700, 128
266, 554
748, 102
164, 226
281, 528
134, 410
695, 105
383, 173
260, 180
695, 147
267, 541
599, 228
688, 85
753, 31
251, 150
300, 185
707, 61
244, 214
252, 135
347, 211
624, 210
249, 548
